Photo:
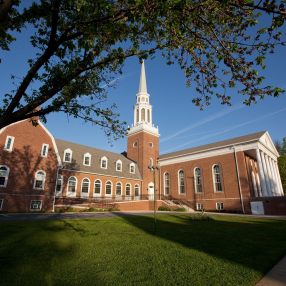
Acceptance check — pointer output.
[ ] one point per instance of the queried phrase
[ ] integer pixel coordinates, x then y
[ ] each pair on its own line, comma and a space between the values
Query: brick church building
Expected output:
39, 172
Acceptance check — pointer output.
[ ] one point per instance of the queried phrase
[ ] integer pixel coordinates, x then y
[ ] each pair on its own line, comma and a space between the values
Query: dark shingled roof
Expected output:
236, 140
78, 152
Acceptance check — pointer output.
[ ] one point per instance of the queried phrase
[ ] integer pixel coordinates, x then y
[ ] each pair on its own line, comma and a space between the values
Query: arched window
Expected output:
119, 165
68, 155
132, 168
137, 191
85, 186
39, 182
143, 114
198, 180
148, 115
72, 184
108, 189
87, 159
4, 174
217, 178
167, 184
181, 182
118, 189
59, 184
127, 190
151, 163
137, 115
103, 163
97, 188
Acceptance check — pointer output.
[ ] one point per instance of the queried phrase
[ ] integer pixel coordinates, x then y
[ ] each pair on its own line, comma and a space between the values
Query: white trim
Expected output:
104, 158
98, 174
10, 149
100, 190
59, 178
6, 177
1, 204
220, 174
130, 189
108, 195
164, 183
120, 189
139, 191
179, 184
219, 206
39, 209
120, 163
195, 180
86, 155
68, 150
132, 165
82, 194
47, 150
199, 206
68, 193
44, 181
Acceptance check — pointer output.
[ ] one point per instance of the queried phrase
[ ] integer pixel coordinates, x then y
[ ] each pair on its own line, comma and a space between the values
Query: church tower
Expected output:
143, 138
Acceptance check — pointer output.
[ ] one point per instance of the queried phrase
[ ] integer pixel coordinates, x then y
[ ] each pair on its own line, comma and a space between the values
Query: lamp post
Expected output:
153, 169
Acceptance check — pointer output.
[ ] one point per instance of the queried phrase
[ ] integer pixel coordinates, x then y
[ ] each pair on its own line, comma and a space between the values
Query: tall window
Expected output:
198, 180
137, 115
59, 184
9, 143
45, 150
86, 159
103, 162
167, 184
4, 174
97, 188
127, 190
85, 186
137, 191
148, 115
217, 178
118, 189
68, 155
119, 166
72, 182
132, 168
143, 114
108, 188
39, 182
181, 181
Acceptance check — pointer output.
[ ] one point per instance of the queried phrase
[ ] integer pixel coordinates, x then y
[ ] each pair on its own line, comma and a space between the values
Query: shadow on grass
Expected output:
254, 243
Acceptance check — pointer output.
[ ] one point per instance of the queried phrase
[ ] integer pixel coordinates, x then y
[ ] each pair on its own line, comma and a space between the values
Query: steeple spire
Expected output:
142, 84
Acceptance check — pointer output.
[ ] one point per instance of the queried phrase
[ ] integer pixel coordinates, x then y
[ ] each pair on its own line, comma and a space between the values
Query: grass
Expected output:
187, 250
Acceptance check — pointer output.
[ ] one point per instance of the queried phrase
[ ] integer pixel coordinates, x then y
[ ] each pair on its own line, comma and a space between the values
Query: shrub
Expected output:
180, 209
164, 208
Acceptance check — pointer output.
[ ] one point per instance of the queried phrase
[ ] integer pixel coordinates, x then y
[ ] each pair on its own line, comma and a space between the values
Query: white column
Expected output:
261, 173
254, 184
257, 179
270, 175
267, 183
281, 193
275, 180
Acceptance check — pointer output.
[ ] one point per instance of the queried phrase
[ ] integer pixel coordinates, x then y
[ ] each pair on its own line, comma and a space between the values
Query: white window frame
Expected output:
199, 206
47, 150
219, 206
44, 181
130, 168
6, 177
128, 184
71, 194
41, 205
103, 159
95, 194
86, 155
1, 204
165, 183
10, 149
118, 183
59, 178
119, 162
195, 180
111, 185
85, 195
67, 151
179, 183
139, 191
214, 182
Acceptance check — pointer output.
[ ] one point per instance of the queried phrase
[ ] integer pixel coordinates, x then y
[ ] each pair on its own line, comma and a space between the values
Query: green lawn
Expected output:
124, 251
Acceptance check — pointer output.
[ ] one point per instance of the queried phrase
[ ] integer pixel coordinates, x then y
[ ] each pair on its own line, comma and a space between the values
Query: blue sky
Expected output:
181, 124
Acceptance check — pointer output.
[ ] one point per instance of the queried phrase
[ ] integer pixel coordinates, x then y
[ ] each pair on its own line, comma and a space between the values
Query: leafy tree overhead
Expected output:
81, 45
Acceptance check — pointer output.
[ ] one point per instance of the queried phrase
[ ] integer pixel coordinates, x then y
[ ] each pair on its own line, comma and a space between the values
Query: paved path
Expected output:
276, 276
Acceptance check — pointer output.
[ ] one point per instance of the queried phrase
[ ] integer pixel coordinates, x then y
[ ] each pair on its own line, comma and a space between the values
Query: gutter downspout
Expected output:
238, 180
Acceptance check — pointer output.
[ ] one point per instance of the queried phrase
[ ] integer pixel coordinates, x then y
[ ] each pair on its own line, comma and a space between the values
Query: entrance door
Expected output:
151, 191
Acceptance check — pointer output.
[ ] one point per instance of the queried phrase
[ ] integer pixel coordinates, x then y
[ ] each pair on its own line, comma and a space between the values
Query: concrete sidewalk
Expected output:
276, 276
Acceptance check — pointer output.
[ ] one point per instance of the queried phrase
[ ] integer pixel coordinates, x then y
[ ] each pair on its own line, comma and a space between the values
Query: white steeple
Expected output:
143, 108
